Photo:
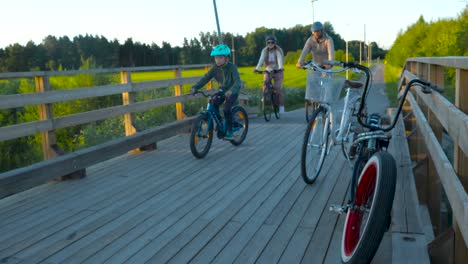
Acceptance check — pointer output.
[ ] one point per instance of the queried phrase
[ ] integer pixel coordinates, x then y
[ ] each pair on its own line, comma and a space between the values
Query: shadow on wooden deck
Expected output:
240, 204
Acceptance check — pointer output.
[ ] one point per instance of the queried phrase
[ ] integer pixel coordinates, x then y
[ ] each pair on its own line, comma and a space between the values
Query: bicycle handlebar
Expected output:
426, 86
265, 71
219, 92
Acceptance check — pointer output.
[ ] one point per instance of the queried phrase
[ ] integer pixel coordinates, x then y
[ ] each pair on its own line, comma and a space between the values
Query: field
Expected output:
294, 83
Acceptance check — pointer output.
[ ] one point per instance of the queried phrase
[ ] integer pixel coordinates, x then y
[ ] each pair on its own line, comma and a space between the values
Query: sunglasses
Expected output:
270, 42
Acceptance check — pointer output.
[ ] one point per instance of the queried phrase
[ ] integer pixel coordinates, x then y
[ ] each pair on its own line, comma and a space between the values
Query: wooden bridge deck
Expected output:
238, 205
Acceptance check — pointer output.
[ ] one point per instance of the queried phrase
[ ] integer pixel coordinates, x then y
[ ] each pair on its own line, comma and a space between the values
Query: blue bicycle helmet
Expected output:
221, 50
316, 26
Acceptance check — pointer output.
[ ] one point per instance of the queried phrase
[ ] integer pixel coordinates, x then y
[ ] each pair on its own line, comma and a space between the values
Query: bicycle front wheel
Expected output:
367, 221
201, 136
310, 107
314, 146
267, 104
240, 125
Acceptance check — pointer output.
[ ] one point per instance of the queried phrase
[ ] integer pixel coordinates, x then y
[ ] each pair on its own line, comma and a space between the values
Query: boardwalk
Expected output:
238, 205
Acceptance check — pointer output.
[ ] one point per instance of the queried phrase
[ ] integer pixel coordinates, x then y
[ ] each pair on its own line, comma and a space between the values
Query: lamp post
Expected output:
347, 52
220, 38
312, 2
346, 58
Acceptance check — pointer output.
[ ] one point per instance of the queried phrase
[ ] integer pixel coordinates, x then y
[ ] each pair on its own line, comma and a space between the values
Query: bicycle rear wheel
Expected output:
367, 222
240, 125
201, 136
275, 104
267, 104
314, 146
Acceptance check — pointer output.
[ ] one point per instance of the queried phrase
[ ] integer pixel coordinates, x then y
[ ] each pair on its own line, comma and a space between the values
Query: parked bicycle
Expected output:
211, 120
373, 182
329, 124
270, 99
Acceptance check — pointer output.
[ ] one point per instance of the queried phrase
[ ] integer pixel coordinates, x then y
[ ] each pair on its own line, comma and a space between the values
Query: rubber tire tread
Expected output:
379, 215
201, 154
234, 110
305, 177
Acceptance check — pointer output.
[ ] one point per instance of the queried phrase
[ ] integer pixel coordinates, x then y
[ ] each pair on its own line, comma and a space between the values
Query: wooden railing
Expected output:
56, 163
433, 120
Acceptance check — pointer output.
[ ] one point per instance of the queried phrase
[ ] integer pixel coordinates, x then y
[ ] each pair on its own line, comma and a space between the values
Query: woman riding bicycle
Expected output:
272, 58
322, 48
227, 76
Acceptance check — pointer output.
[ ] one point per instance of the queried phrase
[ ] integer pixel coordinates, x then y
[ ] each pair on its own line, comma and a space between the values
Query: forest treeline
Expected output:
63, 53
445, 37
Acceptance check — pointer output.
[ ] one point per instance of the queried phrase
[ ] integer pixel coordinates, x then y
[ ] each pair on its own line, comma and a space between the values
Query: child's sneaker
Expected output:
228, 135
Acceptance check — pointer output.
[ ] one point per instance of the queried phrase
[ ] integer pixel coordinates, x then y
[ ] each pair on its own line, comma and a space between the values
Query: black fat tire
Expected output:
361, 246
240, 125
201, 136
310, 175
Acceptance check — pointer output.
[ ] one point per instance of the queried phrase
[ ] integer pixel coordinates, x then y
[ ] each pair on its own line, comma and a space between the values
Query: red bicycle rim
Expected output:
364, 191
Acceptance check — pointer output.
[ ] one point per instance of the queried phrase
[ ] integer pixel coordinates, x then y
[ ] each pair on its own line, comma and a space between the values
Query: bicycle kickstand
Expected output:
339, 209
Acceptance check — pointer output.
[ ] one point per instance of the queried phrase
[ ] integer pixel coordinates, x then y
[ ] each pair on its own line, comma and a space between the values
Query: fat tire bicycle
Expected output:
270, 99
373, 182
210, 121
323, 130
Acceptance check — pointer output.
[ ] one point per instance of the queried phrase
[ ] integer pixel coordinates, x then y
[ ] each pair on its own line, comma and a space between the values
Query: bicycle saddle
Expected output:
353, 84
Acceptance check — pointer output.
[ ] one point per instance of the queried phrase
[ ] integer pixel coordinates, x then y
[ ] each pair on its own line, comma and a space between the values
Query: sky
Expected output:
155, 21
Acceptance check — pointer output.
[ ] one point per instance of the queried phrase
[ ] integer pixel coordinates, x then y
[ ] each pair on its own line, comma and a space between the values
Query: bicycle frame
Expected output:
376, 139
210, 110
374, 177
270, 95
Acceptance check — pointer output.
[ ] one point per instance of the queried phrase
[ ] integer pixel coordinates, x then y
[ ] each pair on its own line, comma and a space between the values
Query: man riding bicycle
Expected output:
320, 44
227, 76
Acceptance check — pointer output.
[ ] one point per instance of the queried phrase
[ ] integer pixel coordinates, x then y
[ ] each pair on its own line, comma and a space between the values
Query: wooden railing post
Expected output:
209, 85
461, 101
436, 75
128, 98
50, 149
45, 113
461, 160
129, 118
178, 92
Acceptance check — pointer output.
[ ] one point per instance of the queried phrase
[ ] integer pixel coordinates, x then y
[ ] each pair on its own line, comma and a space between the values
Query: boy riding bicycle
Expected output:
227, 76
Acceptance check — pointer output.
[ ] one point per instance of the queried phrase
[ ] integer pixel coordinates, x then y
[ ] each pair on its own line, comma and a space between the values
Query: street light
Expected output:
220, 38
312, 2
347, 51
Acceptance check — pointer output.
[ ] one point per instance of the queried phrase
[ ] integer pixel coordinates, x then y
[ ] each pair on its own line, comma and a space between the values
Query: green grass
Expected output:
293, 84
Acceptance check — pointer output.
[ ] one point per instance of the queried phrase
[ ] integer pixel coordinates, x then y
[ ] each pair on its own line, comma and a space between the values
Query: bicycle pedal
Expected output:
337, 209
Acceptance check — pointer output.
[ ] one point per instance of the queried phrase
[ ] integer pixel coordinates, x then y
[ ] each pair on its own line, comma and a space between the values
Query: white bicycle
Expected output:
329, 124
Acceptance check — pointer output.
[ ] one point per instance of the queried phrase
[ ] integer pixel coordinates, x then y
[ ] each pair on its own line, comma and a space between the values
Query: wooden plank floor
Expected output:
240, 204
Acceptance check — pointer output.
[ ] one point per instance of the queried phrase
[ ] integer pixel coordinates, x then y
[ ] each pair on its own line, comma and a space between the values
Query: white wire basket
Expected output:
323, 87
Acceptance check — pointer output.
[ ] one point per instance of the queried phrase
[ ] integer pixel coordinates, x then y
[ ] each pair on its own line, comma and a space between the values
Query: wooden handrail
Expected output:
57, 163
452, 117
